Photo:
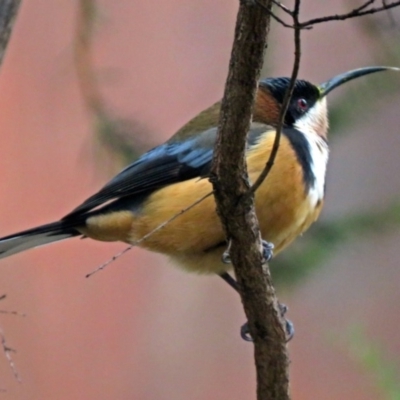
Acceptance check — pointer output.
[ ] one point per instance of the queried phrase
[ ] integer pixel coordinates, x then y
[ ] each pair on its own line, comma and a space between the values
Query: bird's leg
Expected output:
226, 256
244, 330
230, 281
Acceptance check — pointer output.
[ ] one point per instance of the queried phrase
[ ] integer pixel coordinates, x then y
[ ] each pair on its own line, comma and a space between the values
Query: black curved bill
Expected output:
338, 80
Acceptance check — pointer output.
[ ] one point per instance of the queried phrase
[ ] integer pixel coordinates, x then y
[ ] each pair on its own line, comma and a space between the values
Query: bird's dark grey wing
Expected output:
166, 164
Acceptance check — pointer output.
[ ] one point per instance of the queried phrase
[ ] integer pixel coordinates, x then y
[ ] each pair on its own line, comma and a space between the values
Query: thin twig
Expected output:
7, 351
286, 101
143, 238
365, 5
13, 313
2, 297
287, 10
357, 12
281, 21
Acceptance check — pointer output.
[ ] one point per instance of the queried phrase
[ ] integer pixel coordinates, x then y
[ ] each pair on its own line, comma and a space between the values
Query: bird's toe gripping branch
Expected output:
226, 257
267, 252
289, 327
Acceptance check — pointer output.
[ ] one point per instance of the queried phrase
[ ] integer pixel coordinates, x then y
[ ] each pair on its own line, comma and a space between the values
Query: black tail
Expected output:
35, 237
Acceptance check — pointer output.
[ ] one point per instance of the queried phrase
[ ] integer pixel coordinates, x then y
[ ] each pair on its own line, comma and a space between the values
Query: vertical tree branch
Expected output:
236, 207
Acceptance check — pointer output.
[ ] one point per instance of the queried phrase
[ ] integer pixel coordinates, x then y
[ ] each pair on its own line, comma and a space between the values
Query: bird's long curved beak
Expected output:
338, 80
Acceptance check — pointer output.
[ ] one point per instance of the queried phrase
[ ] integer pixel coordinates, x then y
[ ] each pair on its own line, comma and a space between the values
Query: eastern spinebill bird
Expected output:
172, 176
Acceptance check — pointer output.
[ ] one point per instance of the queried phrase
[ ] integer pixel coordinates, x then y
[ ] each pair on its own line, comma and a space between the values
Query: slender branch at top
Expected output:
286, 100
281, 6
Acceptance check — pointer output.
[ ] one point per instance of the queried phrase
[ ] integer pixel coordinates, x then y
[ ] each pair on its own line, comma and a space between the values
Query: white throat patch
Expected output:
314, 126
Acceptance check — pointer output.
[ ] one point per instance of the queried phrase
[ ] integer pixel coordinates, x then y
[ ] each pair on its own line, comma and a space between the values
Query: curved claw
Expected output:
289, 327
245, 332
283, 309
267, 251
226, 258
289, 330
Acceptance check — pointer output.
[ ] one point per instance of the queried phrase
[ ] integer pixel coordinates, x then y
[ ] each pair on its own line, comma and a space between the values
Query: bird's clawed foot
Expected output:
244, 330
289, 328
226, 257
267, 252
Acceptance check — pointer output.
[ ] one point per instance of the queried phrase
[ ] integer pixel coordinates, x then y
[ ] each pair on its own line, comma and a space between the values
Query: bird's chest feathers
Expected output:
291, 197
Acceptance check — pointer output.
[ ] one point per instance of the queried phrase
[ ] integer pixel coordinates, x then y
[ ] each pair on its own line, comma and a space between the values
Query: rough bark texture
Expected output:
236, 209
8, 12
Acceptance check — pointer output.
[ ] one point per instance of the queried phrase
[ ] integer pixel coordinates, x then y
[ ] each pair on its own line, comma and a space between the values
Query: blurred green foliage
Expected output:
384, 373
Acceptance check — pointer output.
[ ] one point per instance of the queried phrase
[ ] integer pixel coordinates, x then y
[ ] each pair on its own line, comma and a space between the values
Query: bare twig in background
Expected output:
7, 351
2, 297
12, 313
282, 6
356, 12
277, 19
237, 212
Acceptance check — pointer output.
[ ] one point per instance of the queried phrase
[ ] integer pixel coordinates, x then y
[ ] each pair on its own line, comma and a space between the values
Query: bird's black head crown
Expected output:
305, 95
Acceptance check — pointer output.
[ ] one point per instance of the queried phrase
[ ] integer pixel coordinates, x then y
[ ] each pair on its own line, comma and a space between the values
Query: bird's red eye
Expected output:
302, 104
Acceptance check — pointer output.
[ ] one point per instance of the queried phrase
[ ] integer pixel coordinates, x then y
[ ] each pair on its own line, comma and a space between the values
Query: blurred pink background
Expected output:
143, 329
